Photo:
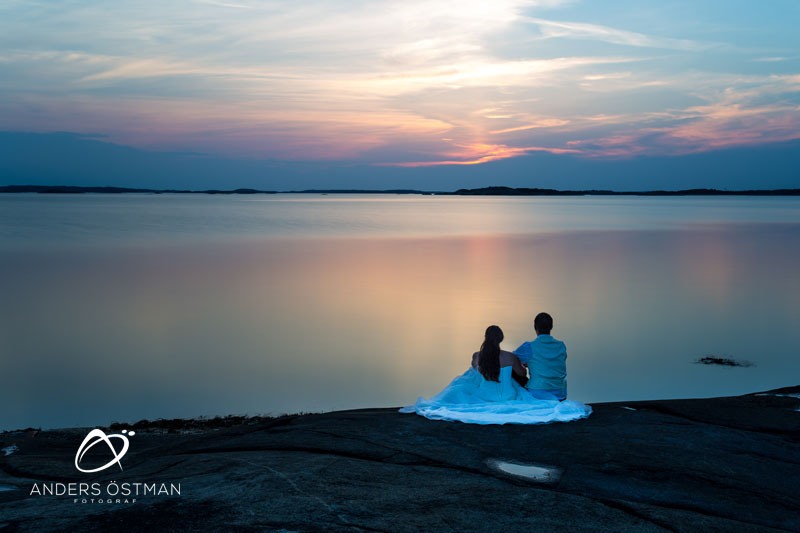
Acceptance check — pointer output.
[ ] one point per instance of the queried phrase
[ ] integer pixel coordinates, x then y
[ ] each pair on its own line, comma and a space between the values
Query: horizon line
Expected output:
493, 190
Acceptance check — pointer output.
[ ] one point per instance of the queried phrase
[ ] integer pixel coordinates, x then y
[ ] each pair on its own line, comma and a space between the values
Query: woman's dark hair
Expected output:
489, 356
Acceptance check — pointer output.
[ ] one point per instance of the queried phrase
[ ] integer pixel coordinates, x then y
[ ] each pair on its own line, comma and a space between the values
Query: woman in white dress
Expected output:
497, 367
488, 394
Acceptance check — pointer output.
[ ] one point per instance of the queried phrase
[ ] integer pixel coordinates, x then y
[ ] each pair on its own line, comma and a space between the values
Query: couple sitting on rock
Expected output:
496, 388
545, 357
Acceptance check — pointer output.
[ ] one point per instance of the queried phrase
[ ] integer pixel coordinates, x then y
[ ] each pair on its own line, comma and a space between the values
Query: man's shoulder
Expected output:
547, 340
524, 346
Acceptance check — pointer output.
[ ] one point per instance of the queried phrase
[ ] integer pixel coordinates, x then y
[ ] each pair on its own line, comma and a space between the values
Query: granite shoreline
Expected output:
717, 464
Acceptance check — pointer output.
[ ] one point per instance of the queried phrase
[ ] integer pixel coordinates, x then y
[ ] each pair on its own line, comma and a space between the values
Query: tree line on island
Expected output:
482, 191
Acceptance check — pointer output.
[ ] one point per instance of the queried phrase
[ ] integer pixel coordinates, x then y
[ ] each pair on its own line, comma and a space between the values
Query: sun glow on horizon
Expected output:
483, 153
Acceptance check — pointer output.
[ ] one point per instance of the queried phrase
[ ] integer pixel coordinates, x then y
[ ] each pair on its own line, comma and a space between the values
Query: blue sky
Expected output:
400, 93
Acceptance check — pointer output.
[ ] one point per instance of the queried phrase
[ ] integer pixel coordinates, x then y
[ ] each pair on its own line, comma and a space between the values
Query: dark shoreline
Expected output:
483, 191
719, 464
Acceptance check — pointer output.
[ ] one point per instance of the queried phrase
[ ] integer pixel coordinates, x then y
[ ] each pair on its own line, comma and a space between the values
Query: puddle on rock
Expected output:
540, 473
7, 487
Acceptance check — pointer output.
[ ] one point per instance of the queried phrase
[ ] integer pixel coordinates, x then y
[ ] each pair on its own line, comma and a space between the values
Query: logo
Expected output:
123, 492
97, 436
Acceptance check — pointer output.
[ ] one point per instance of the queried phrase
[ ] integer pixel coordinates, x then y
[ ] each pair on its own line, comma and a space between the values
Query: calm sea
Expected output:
122, 307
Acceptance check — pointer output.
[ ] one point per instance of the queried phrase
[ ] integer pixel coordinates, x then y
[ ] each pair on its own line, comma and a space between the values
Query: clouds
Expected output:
593, 32
432, 83
749, 111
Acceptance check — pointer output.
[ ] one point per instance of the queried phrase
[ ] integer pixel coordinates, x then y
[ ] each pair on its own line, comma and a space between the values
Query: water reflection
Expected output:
269, 325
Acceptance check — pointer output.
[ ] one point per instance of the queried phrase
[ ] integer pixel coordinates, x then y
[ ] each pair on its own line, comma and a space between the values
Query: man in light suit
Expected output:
546, 358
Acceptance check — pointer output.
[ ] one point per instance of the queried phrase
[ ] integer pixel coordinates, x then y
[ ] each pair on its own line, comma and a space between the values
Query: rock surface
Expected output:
724, 464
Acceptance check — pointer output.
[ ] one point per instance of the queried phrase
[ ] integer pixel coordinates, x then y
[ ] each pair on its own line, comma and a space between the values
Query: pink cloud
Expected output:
728, 123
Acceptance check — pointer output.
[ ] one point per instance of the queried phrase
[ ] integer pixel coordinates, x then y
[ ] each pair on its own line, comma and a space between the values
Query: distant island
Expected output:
522, 191
482, 191
71, 189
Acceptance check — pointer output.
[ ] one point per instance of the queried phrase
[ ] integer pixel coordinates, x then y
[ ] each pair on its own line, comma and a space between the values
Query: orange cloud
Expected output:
476, 154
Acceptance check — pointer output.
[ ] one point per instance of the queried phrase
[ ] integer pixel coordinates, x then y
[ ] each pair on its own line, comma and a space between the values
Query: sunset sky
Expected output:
400, 93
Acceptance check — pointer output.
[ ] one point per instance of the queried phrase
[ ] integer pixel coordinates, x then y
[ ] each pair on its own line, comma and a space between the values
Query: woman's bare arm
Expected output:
515, 364
475, 360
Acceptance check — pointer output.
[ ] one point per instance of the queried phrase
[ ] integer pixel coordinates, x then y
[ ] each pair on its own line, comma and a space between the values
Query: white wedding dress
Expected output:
473, 399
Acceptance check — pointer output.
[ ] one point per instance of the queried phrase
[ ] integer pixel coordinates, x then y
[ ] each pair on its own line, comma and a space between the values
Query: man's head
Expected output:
543, 324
